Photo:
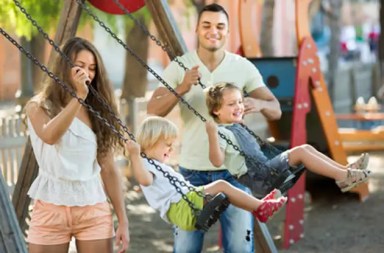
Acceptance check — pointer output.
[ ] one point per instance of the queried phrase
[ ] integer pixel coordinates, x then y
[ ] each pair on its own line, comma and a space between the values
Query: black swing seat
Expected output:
283, 181
211, 212
291, 180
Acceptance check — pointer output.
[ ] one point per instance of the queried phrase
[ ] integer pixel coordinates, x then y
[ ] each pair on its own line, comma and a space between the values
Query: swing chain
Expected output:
272, 170
100, 99
173, 180
158, 77
149, 69
63, 85
261, 141
141, 61
164, 46
71, 64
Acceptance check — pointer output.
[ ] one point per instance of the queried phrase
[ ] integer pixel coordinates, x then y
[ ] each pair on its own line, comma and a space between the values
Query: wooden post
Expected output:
263, 240
167, 27
68, 23
11, 237
27, 173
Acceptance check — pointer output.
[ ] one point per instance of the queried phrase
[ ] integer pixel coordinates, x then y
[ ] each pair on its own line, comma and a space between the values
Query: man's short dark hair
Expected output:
212, 8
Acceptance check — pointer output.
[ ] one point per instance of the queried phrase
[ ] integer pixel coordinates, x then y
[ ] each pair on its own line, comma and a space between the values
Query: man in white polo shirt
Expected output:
211, 64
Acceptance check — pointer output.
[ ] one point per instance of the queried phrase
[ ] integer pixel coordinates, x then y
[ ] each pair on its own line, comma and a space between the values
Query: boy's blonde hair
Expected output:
154, 129
214, 96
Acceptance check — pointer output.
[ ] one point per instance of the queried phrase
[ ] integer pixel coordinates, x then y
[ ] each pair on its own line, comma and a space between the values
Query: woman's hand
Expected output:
122, 238
79, 80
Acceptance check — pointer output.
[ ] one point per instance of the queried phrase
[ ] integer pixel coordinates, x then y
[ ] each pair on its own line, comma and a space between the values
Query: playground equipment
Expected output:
111, 8
364, 130
11, 237
300, 100
205, 217
215, 204
292, 80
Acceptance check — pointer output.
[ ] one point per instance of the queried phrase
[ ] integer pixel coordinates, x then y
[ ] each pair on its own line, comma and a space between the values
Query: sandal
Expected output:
354, 178
361, 163
269, 207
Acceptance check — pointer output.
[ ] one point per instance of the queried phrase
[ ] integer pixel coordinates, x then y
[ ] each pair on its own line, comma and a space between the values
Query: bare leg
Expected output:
336, 164
236, 196
96, 246
37, 248
263, 209
316, 162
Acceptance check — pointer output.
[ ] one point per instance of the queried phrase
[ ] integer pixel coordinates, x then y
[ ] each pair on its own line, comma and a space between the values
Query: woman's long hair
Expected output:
53, 98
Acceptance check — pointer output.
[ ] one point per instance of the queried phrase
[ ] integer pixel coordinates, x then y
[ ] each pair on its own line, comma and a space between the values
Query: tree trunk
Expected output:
199, 4
38, 50
26, 89
31, 74
135, 78
266, 36
334, 44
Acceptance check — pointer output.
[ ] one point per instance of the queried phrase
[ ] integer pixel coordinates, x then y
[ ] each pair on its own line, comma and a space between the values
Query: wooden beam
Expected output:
362, 147
11, 237
67, 26
263, 240
351, 134
27, 173
167, 27
68, 23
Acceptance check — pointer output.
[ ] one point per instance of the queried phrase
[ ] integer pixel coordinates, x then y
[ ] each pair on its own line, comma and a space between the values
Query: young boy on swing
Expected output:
155, 138
225, 105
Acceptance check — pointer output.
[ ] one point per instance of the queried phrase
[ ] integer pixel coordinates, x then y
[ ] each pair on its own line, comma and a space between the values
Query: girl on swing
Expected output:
155, 138
225, 105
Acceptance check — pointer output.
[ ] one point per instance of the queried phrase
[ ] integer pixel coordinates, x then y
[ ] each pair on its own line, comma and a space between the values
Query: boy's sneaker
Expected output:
354, 178
269, 207
361, 163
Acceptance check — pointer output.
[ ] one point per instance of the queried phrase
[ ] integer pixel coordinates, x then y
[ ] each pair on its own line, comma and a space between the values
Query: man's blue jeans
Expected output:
236, 224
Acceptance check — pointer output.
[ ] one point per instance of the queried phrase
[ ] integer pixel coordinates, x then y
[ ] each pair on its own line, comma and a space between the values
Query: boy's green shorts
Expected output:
180, 213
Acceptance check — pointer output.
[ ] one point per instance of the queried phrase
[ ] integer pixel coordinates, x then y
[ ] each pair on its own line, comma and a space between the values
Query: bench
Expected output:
368, 134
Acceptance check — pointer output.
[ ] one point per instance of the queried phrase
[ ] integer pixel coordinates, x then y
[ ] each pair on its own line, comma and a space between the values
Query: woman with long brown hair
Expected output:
73, 149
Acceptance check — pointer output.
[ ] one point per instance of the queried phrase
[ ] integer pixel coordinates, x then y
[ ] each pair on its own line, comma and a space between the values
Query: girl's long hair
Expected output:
52, 98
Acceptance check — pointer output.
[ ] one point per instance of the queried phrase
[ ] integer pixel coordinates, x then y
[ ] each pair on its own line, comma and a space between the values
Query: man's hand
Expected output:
191, 77
252, 105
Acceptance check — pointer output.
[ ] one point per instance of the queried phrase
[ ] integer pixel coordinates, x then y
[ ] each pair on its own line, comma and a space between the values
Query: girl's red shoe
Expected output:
274, 194
270, 206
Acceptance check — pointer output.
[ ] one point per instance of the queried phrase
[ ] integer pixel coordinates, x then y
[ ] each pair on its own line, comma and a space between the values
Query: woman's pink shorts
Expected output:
52, 224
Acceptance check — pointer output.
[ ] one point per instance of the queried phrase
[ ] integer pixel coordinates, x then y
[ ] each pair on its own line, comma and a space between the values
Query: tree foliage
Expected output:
45, 12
